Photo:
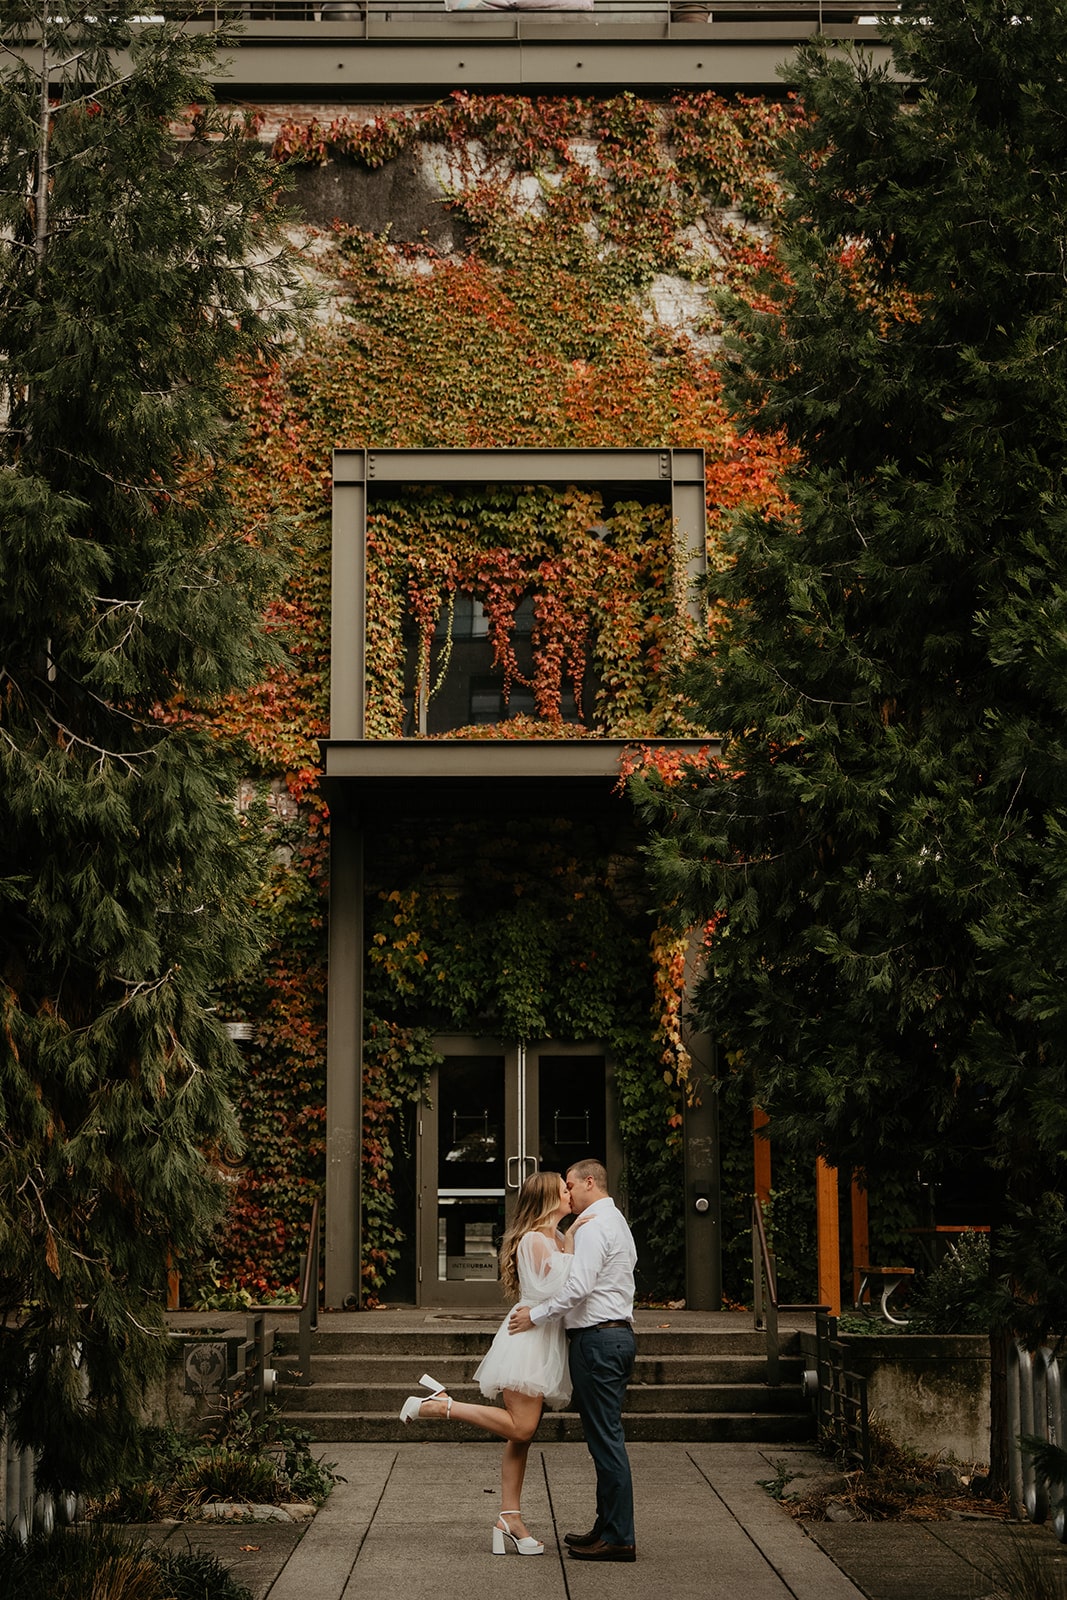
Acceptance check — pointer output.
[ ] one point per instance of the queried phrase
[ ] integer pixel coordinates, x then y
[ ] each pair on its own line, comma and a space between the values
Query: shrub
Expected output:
97, 1563
197, 1575
226, 1475
957, 1297
238, 1459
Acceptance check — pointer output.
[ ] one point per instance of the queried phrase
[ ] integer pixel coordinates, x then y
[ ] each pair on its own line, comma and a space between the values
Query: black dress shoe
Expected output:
604, 1552
577, 1539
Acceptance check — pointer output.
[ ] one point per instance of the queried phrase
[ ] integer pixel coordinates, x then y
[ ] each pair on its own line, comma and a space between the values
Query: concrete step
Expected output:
453, 1371
757, 1427
699, 1385
642, 1399
474, 1340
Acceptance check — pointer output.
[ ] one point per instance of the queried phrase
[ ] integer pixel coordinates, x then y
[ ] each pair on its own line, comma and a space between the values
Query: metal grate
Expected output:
841, 1398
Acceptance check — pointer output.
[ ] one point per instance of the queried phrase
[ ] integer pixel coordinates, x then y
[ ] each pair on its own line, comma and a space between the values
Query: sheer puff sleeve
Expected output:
543, 1268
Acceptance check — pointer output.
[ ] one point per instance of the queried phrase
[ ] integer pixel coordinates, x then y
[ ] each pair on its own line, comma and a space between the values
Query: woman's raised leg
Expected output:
516, 1424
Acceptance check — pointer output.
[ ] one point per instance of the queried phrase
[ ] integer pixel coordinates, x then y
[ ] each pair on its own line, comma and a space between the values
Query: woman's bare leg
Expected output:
512, 1473
516, 1424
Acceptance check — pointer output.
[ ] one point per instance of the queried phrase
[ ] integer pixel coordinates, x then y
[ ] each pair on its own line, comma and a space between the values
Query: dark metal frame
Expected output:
674, 477
365, 778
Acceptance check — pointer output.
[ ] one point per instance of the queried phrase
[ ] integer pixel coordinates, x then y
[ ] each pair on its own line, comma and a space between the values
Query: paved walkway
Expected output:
414, 1521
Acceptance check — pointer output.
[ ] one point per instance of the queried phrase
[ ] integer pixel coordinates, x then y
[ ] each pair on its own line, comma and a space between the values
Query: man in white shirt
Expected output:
597, 1307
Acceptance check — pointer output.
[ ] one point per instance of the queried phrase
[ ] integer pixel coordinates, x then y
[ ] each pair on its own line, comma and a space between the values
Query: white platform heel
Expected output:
523, 1547
411, 1405
414, 1402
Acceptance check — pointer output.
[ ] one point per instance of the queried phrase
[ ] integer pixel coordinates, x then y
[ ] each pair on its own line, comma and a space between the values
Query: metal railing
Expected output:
389, 18
765, 1303
841, 1410
1036, 1410
260, 1336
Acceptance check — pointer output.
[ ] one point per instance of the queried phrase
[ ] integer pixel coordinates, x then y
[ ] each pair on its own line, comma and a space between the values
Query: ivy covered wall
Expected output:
510, 273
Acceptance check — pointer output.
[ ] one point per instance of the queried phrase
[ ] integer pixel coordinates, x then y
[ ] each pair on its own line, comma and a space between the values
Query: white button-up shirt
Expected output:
600, 1284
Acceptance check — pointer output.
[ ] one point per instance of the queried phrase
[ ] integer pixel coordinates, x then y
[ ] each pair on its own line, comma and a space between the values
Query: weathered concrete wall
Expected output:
408, 200
399, 198
189, 1394
930, 1391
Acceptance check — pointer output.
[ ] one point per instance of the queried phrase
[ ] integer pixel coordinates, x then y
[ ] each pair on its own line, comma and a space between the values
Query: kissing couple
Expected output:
572, 1331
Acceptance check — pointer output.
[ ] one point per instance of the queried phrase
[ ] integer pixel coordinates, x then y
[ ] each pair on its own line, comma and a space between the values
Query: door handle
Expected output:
529, 1164
514, 1182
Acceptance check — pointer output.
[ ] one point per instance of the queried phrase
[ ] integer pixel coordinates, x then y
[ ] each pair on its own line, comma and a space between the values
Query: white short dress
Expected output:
534, 1362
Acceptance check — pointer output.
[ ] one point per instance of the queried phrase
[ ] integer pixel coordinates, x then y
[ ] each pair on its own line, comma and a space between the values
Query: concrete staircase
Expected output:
698, 1386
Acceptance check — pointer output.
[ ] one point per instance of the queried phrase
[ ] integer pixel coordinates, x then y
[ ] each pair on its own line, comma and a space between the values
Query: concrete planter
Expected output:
930, 1390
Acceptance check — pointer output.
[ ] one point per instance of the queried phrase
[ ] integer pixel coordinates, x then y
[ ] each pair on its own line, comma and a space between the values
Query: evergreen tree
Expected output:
883, 849
132, 267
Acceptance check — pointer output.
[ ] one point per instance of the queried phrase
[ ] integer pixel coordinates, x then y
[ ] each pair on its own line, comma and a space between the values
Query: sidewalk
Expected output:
414, 1521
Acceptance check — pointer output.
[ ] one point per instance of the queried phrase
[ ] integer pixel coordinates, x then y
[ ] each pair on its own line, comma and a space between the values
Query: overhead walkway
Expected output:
394, 50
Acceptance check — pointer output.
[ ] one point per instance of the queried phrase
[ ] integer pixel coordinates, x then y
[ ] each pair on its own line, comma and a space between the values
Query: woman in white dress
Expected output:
528, 1369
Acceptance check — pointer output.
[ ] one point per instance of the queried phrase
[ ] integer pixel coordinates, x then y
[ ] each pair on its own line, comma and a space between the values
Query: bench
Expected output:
890, 1279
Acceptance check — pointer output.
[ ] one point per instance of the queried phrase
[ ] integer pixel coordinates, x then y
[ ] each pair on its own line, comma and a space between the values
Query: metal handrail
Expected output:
765, 1302
307, 1307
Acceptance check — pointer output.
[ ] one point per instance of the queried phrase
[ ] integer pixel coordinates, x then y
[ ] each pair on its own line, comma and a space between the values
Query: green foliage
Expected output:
227, 1475
622, 189
1036, 1243
196, 1575
537, 330
75, 1563
1050, 1464
126, 586
278, 1085
608, 603
234, 1458
777, 1485
881, 853
956, 1297
310, 1478
528, 931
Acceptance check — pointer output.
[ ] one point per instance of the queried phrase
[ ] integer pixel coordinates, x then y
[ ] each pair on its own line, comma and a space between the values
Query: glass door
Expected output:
494, 1114
467, 1132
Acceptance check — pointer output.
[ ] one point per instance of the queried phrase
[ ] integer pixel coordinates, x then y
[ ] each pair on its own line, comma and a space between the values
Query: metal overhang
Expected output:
640, 474
393, 56
366, 763
336, 66
390, 779
369, 761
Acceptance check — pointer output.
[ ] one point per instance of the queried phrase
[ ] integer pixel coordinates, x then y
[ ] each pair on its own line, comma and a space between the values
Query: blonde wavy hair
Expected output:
535, 1208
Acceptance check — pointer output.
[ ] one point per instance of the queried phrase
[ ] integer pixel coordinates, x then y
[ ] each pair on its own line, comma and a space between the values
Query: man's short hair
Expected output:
590, 1169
